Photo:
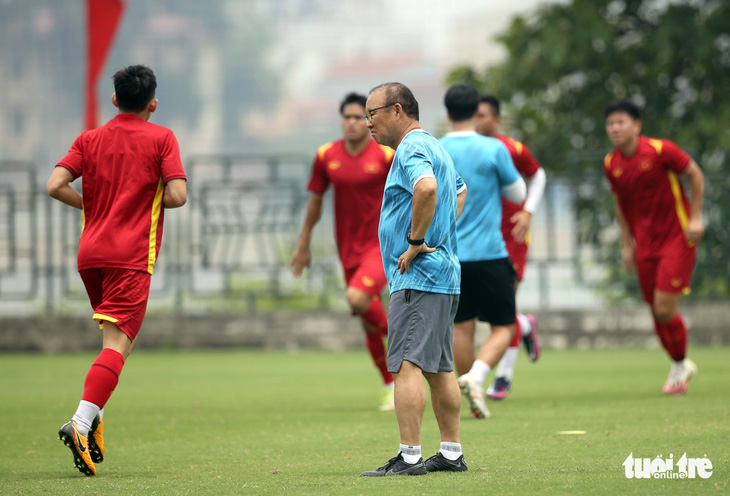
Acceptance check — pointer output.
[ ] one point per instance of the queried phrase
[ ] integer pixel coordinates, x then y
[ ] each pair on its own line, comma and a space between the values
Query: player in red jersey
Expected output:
516, 220
357, 167
659, 228
130, 169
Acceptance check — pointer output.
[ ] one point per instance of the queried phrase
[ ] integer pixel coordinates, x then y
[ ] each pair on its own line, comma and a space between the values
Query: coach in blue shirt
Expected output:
487, 275
421, 203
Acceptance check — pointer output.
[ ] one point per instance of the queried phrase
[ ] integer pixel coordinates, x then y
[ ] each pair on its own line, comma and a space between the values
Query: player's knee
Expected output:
664, 313
358, 300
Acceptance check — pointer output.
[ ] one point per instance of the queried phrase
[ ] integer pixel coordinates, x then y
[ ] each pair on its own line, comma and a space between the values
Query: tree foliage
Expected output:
567, 61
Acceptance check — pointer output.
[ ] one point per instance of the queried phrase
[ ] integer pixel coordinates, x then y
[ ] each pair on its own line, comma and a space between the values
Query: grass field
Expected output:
245, 422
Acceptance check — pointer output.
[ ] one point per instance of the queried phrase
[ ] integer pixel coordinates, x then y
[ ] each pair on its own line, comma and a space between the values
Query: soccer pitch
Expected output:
248, 422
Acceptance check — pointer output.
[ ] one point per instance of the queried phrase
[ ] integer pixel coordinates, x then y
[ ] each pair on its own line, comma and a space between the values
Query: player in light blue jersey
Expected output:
487, 275
422, 200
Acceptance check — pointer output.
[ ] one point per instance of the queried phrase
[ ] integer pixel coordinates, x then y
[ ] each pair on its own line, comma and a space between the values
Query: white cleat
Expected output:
679, 376
474, 395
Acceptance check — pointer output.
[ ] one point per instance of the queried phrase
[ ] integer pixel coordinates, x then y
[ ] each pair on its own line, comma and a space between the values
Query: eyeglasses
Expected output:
369, 113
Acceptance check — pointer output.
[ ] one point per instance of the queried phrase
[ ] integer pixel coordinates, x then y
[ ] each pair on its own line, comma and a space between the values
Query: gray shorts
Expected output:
421, 330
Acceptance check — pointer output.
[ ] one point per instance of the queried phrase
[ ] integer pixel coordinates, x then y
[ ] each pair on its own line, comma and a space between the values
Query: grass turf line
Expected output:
246, 422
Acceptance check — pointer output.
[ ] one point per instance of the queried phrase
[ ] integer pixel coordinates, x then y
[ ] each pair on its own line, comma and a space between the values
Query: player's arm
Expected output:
424, 207
629, 248
515, 192
302, 257
695, 227
460, 200
176, 194
522, 218
59, 187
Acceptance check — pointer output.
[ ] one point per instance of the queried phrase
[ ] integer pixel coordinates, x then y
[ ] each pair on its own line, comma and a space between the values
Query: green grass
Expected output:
244, 422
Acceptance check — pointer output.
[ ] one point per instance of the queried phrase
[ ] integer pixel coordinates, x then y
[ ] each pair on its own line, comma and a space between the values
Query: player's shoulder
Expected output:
654, 145
513, 145
608, 159
323, 150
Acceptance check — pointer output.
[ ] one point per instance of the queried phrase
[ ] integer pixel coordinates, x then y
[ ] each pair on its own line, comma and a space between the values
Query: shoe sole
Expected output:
497, 396
476, 412
79, 462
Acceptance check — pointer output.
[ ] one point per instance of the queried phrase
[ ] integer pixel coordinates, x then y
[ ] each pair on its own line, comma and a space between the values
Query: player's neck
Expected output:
144, 115
407, 129
356, 147
468, 125
629, 148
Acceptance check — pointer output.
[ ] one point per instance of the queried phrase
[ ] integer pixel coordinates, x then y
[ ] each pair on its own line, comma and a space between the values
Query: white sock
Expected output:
506, 367
451, 451
390, 385
84, 416
525, 325
101, 413
411, 454
479, 372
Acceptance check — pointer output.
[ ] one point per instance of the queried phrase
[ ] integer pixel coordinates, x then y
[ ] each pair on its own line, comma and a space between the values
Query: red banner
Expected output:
102, 21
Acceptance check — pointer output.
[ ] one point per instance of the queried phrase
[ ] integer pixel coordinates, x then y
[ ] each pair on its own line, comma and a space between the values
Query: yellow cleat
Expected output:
387, 402
79, 446
96, 440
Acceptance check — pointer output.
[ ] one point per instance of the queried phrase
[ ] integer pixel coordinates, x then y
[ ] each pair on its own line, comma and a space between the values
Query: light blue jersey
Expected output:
486, 166
420, 155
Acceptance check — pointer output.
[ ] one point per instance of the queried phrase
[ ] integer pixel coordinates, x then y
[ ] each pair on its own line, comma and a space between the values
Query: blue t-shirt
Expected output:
420, 155
486, 166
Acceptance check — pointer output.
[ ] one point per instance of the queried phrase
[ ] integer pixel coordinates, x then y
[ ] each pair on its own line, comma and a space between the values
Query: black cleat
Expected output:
439, 463
398, 466
79, 446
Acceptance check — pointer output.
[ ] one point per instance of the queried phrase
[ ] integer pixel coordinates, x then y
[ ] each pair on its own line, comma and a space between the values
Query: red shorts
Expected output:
368, 276
118, 296
668, 274
517, 252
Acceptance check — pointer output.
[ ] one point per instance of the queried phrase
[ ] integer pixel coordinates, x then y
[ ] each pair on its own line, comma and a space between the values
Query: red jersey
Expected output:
526, 165
358, 184
651, 195
124, 165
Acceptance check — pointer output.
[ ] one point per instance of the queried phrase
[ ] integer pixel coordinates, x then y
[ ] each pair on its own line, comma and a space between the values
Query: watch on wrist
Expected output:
415, 242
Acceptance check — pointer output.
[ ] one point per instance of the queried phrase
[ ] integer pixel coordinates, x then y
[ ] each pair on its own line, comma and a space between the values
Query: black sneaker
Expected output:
439, 463
398, 466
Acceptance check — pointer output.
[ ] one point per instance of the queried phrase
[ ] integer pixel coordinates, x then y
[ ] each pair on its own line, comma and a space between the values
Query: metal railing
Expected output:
226, 250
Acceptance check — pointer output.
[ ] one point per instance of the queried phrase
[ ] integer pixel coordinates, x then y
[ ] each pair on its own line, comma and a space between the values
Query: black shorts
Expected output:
487, 292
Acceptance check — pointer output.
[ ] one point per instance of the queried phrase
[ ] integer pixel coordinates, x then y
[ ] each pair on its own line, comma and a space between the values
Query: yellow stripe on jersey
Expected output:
678, 203
83, 216
322, 150
388, 152
657, 144
156, 210
518, 147
607, 160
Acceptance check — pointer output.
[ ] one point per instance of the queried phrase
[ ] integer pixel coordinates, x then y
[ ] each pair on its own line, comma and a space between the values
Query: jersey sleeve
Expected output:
319, 182
673, 157
525, 162
506, 171
74, 158
416, 166
460, 184
170, 163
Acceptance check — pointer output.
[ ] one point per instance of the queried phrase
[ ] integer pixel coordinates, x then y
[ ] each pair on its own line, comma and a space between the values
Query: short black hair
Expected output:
493, 101
135, 87
461, 101
399, 93
353, 98
623, 106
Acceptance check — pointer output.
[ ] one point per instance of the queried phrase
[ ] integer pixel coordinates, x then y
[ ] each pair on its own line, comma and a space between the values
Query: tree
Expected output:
566, 62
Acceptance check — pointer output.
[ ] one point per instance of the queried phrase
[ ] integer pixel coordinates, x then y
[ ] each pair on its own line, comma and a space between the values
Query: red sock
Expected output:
518, 335
676, 332
374, 342
376, 316
103, 377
